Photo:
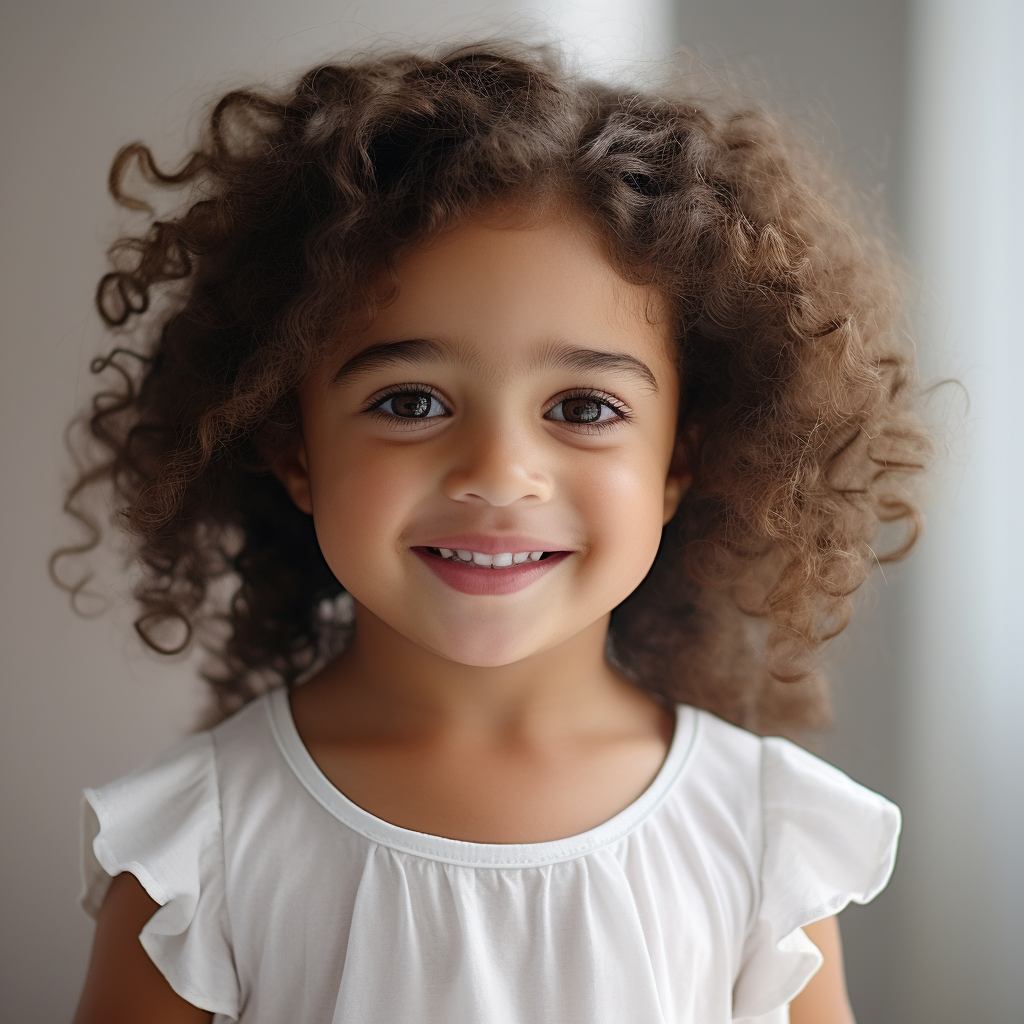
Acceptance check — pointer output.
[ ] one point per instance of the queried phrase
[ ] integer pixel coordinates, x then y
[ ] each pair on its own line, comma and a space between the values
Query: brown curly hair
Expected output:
798, 380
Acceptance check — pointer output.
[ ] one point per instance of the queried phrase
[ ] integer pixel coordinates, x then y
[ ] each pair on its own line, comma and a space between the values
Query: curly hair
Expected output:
798, 380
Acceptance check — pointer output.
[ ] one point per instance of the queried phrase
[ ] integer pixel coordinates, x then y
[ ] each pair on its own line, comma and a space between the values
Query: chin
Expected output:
488, 646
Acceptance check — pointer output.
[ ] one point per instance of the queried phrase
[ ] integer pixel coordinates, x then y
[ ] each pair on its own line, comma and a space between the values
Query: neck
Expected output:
384, 682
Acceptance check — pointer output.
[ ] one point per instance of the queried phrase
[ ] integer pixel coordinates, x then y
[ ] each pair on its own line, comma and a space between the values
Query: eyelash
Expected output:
404, 422
621, 410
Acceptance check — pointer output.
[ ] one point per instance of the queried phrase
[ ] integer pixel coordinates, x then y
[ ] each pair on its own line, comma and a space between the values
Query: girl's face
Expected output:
517, 397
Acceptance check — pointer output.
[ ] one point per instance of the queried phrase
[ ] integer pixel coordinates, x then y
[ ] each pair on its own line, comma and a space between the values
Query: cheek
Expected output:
359, 504
624, 512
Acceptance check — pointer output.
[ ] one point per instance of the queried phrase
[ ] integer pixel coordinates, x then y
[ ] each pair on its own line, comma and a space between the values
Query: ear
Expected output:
678, 480
292, 469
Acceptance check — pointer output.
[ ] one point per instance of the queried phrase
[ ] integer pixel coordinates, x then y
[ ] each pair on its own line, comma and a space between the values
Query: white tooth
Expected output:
480, 559
505, 558
466, 556
535, 556
520, 557
445, 552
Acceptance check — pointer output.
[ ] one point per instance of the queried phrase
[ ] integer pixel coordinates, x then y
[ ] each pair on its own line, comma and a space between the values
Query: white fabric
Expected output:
281, 900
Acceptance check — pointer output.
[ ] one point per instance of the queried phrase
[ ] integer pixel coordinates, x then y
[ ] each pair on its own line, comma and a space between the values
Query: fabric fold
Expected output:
827, 841
162, 824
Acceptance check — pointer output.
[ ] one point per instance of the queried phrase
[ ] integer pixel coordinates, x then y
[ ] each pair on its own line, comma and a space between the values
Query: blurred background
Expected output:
920, 101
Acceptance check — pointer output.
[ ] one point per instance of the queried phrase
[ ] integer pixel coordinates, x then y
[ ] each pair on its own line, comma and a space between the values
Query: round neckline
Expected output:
458, 851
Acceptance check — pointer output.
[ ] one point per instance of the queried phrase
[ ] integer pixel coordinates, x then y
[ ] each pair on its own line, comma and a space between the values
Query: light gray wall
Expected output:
963, 907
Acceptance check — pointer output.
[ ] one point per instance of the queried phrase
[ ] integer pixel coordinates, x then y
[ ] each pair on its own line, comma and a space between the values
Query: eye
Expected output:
587, 409
409, 404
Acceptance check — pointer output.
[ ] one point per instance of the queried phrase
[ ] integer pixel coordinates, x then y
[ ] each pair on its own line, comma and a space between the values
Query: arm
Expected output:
123, 986
824, 1000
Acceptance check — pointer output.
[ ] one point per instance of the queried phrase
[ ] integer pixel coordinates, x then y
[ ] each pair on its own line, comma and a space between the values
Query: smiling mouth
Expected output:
477, 559
486, 574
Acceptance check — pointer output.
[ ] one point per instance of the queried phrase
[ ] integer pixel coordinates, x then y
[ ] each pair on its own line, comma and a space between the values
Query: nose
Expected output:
497, 464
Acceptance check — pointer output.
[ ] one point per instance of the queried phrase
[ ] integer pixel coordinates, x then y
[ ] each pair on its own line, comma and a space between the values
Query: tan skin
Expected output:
486, 718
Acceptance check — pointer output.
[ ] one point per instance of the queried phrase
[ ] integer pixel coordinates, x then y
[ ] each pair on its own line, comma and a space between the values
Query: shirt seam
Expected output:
507, 861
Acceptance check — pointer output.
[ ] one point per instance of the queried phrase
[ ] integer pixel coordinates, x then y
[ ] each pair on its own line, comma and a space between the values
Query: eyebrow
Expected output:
570, 357
564, 357
411, 351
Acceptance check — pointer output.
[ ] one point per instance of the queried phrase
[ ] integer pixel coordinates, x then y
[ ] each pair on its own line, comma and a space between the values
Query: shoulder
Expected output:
132, 823
805, 833
240, 744
719, 785
774, 779
161, 819
164, 824
722, 750
812, 840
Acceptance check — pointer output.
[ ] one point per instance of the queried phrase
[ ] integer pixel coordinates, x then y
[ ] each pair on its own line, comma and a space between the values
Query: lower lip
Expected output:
481, 579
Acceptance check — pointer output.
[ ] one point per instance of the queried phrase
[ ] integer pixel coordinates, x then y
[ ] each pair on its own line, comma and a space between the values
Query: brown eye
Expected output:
411, 405
583, 410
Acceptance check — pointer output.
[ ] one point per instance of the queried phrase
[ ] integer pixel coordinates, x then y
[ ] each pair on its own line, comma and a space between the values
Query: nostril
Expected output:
497, 489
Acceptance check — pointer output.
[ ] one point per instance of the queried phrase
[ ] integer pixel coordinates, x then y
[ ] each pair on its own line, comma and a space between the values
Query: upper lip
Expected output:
491, 545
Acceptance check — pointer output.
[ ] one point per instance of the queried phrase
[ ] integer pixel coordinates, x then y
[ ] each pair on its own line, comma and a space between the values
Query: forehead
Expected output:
498, 293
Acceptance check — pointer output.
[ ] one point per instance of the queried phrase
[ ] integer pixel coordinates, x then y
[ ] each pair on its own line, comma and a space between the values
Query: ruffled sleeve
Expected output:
162, 824
827, 841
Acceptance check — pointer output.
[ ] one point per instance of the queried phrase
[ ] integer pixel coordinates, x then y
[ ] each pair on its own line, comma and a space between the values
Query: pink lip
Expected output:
492, 545
482, 580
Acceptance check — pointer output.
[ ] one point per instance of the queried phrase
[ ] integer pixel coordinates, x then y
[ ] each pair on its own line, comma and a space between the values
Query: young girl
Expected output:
487, 413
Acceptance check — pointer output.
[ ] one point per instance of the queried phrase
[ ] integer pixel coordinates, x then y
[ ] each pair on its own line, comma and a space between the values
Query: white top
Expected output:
281, 900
